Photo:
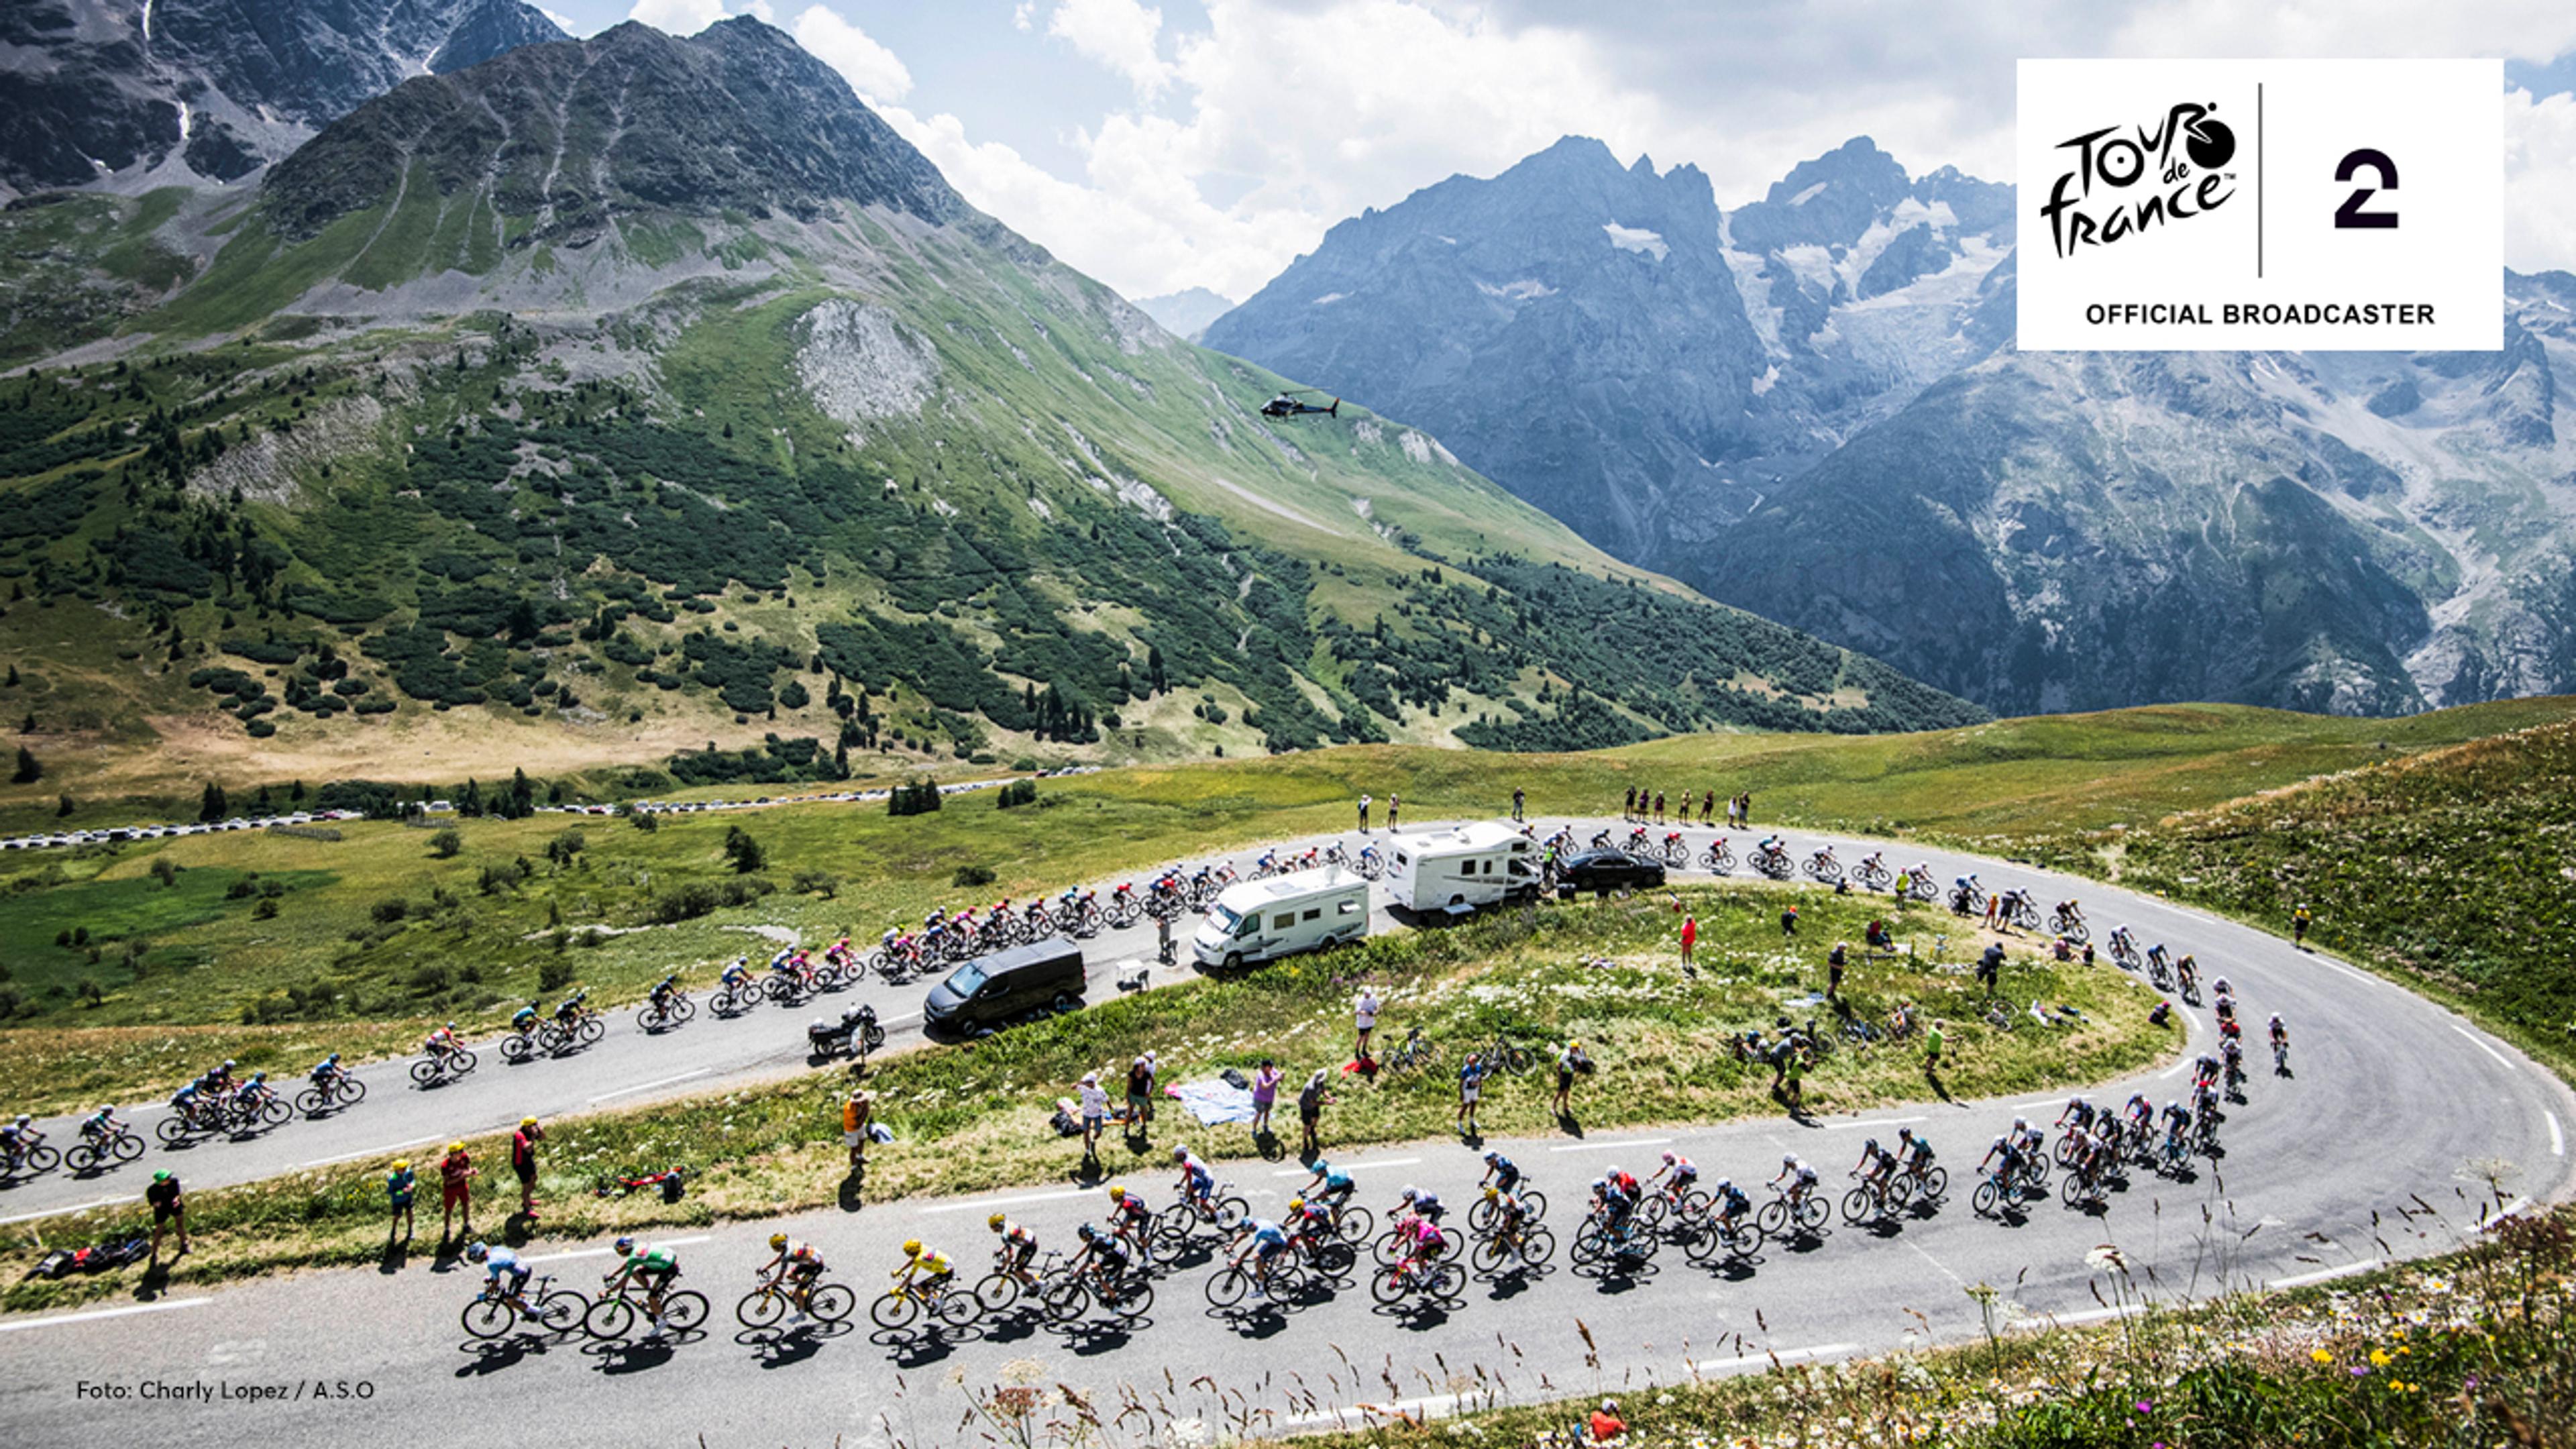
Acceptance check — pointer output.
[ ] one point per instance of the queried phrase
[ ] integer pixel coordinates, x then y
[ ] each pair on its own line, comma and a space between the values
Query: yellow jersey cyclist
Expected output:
925, 1271
795, 1269
654, 1268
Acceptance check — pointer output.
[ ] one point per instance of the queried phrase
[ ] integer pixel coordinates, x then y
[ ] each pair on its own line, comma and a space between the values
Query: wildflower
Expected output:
2320, 1355
2145, 1405
2379, 1358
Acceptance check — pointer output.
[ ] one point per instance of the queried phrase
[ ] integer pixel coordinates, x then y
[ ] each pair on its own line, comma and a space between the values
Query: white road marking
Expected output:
2557, 1139
908, 1016
161, 1307
2328, 1275
604, 1252
1935, 1262
648, 1086
1612, 1146
368, 1152
994, 1202
1881, 1122
2041, 1322
75, 1208
2482, 1046
1765, 1360
1351, 1166
1429, 1407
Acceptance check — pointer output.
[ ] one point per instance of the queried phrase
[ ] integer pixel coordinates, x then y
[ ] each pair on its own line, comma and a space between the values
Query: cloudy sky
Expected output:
1207, 142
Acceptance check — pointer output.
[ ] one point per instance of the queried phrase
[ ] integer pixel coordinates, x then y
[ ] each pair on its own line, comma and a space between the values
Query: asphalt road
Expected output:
2392, 1097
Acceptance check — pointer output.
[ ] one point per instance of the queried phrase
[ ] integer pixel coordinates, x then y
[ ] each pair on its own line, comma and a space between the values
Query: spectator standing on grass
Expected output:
523, 1161
401, 1185
169, 1210
1364, 809
1140, 1094
1265, 1092
1789, 924
1834, 960
1310, 1111
1690, 939
1796, 1085
1471, 1085
455, 1193
1628, 811
857, 1115
1707, 805
1932, 1040
1394, 808
1520, 798
1570, 1063
1364, 1018
1990, 967
1095, 1111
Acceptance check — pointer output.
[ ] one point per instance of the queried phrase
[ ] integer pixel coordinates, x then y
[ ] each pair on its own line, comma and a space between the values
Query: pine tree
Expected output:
212, 806
28, 772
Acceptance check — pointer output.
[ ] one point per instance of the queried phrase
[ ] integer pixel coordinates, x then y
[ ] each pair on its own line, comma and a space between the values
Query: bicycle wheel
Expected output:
488, 1318
40, 1159
310, 1102
1489, 1256
1447, 1284
761, 1307
683, 1009
684, 1310
126, 1146
1590, 1245
1232, 1213
1227, 1288
562, 1311
81, 1159
1985, 1198
459, 1062
1066, 1300
590, 1030
611, 1317
1135, 1297
1538, 1245
831, 1303
517, 1048
1652, 1210
894, 1309
997, 1291
1480, 1217
1334, 1259
650, 1018
1858, 1205
1387, 1286
349, 1093
272, 1112
426, 1073
1773, 1217
1355, 1223
171, 1130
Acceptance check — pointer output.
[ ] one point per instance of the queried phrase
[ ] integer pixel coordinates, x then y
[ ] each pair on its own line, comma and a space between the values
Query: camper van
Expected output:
1461, 869
1262, 920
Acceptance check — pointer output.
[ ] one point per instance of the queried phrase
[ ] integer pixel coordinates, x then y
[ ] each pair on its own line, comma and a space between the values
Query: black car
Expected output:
1603, 871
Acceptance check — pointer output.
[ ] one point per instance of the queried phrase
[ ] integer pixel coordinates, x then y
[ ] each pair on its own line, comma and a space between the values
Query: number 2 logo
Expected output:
2350, 215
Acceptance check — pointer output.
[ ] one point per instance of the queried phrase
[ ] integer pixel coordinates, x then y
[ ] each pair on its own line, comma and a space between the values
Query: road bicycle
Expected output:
339, 1092
439, 1068
613, 1316
1780, 1218
2071, 925
827, 1303
557, 1038
1223, 1210
1282, 1280
1434, 1282
1674, 851
94, 1152
1524, 1247
1823, 868
1070, 1295
33, 1159
1870, 875
1415, 1051
1506, 1055
203, 1119
1717, 859
1775, 864
1662, 1206
1926, 1186
492, 1315
519, 1046
1998, 1190
253, 1108
1480, 1217
670, 1010
1633, 1241
1704, 1236
1398, 1241
1874, 1200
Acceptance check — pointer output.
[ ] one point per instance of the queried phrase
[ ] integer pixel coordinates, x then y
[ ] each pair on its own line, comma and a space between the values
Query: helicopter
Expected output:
1286, 405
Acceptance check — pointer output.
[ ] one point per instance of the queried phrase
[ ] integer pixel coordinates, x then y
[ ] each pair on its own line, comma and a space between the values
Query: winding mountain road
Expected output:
2393, 1098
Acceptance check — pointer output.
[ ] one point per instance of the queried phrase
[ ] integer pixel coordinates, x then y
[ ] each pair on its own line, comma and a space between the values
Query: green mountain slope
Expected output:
617, 399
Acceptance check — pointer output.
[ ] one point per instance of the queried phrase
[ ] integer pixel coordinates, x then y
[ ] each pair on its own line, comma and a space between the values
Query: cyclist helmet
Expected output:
24, 1119
228, 1064
777, 1242
1324, 1169
996, 1221
477, 1253
105, 1111
1408, 1195
625, 1246
1612, 1172
527, 1122
162, 1176
1669, 1159
1600, 1184
2021, 1124
912, 1247
1089, 1232
1492, 1157
1117, 1194
451, 1026
2276, 1021
335, 1056
1788, 1159
1296, 1204
1180, 1154
1870, 1146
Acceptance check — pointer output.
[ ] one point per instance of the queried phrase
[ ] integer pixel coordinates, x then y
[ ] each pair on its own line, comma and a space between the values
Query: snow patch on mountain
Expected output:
1636, 239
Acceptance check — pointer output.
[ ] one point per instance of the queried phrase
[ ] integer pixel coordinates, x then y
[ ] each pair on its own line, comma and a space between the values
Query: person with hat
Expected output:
856, 1116
400, 1186
455, 1192
169, 1210
1606, 1424
523, 1161
1140, 1094
1095, 1114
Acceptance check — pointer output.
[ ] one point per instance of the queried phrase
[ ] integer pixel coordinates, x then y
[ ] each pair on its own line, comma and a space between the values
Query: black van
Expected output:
995, 991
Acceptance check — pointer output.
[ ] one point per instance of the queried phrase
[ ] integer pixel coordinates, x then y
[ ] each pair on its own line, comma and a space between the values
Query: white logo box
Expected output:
2229, 235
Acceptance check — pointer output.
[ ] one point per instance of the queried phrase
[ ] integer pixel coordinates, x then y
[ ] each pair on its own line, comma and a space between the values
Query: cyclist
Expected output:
737, 977
188, 1105
1103, 1255
1876, 1165
1502, 1172
524, 1020
1262, 1240
1917, 1152
19, 1138
1963, 890
1799, 1176
220, 1080
2299, 923
100, 1125
1331, 1184
2220, 988
660, 996
797, 1261
2232, 1057
1421, 1243
1677, 1177
2280, 1045
2204, 1107
2123, 942
654, 1268
2034, 1145
441, 1042
1309, 1222
1728, 1202
2079, 1112
1197, 1185
1017, 1248
2158, 958
929, 1266
2204, 1071
1420, 1204
327, 1073
2187, 970
503, 1270
1129, 1216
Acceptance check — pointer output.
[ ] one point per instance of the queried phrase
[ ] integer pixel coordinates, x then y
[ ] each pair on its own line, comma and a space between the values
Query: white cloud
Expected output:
872, 70
1023, 14
1119, 34
562, 21
678, 17
2540, 182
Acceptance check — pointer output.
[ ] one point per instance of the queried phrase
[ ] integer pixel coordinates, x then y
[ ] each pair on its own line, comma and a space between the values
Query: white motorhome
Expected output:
1460, 869
1262, 920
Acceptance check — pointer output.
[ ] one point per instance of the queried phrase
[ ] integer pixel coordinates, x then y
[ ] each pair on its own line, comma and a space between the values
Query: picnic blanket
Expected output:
1213, 1102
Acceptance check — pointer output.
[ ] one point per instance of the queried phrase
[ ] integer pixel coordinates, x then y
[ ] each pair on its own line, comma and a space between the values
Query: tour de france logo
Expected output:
2126, 181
